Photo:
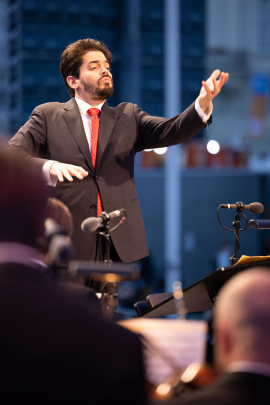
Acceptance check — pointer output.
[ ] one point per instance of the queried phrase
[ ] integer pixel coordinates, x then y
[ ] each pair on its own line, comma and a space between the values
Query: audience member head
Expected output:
58, 211
23, 201
242, 319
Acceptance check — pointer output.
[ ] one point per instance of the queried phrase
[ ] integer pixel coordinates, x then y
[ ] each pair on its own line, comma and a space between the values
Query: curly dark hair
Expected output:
71, 58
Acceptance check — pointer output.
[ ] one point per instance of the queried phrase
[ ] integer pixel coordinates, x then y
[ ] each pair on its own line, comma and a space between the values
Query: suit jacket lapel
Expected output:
73, 119
107, 123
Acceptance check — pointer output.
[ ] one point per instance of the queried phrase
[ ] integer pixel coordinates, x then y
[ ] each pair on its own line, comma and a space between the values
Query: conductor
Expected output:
86, 149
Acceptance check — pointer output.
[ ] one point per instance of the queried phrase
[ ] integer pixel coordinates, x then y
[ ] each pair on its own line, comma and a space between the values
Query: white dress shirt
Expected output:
249, 367
12, 252
86, 119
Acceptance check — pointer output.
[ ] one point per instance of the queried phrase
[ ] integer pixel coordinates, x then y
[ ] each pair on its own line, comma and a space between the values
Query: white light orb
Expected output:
160, 151
213, 147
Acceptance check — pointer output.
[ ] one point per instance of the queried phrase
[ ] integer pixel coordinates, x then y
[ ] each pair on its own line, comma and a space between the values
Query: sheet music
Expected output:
169, 345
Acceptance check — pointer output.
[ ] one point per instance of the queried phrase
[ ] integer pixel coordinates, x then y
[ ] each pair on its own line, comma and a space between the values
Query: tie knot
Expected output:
93, 111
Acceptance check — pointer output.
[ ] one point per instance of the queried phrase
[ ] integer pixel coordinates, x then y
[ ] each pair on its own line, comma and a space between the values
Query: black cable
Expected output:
235, 231
119, 223
223, 226
237, 239
232, 230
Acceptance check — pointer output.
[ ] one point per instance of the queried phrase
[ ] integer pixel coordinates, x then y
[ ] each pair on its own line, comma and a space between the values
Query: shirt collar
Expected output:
84, 107
249, 367
11, 252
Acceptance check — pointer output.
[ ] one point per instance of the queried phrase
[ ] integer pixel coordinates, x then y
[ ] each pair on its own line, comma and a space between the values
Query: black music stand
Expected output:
110, 273
198, 297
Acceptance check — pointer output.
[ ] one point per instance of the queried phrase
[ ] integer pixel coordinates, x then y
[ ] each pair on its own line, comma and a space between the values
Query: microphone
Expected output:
255, 208
91, 224
60, 246
52, 228
60, 249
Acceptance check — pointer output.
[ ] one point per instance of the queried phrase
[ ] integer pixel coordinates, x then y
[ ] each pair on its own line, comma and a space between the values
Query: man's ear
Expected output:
223, 337
222, 347
227, 341
73, 82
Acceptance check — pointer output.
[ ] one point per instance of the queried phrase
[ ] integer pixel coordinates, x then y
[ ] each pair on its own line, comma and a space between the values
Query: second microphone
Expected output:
91, 224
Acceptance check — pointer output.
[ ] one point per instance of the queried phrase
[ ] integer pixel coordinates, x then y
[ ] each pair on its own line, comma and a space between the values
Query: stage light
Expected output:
160, 151
190, 372
213, 147
163, 389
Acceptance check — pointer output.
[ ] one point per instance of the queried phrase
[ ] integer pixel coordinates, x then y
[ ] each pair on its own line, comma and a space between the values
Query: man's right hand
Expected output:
58, 170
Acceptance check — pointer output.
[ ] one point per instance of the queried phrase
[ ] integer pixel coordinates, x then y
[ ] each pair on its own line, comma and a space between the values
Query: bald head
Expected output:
242, 319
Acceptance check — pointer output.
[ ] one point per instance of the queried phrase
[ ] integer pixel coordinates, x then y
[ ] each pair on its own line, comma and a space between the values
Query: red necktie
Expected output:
94, 143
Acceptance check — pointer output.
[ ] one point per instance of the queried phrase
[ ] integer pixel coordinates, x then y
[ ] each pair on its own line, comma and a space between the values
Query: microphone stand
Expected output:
237, 225
109, 291
104, 231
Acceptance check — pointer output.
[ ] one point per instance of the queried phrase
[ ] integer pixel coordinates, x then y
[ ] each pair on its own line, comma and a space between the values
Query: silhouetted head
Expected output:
58, 211
23, 201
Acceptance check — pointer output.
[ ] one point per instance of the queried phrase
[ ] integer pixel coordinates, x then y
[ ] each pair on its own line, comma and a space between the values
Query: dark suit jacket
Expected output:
55, 131
232, 389
55, 351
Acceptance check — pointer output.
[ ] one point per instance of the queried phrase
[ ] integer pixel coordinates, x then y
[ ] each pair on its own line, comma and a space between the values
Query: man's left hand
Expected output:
211, 88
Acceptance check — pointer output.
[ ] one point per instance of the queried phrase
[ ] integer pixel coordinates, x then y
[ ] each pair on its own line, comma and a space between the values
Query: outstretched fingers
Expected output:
66, 172
215, 74
216, 87
207, 89
59, 175
76, 171
213, 86
62, 170
223, 79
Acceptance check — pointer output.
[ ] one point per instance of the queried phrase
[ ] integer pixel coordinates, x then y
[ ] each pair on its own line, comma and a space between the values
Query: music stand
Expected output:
108, 272
198, 297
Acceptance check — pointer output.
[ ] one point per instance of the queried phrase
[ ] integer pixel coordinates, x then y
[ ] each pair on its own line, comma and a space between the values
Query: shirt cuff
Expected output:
46, 173
204, 116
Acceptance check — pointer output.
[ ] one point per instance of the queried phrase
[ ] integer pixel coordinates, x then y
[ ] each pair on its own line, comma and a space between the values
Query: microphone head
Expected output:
90, 224
256, 208
53, 228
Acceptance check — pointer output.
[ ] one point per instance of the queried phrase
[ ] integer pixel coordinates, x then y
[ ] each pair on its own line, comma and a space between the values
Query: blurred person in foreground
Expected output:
52, 349
242, 344
59, 212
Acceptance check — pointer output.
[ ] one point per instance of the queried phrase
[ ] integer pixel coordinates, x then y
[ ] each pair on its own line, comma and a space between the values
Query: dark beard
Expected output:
96, 92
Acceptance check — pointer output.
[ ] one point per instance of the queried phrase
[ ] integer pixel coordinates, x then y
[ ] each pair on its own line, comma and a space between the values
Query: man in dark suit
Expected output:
242, 344
61, 136
53, 349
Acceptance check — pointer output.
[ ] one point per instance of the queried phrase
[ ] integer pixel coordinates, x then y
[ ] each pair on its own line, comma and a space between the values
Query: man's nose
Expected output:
105, 71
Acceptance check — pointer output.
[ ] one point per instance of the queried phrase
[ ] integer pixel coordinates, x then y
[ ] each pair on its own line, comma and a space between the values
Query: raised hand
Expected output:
58, 170
211, 88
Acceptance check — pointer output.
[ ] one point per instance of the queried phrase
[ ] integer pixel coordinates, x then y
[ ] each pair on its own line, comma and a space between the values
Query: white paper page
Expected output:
169, 345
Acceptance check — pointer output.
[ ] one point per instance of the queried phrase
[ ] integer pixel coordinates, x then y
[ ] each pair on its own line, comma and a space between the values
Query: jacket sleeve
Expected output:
156, 132
30, 139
